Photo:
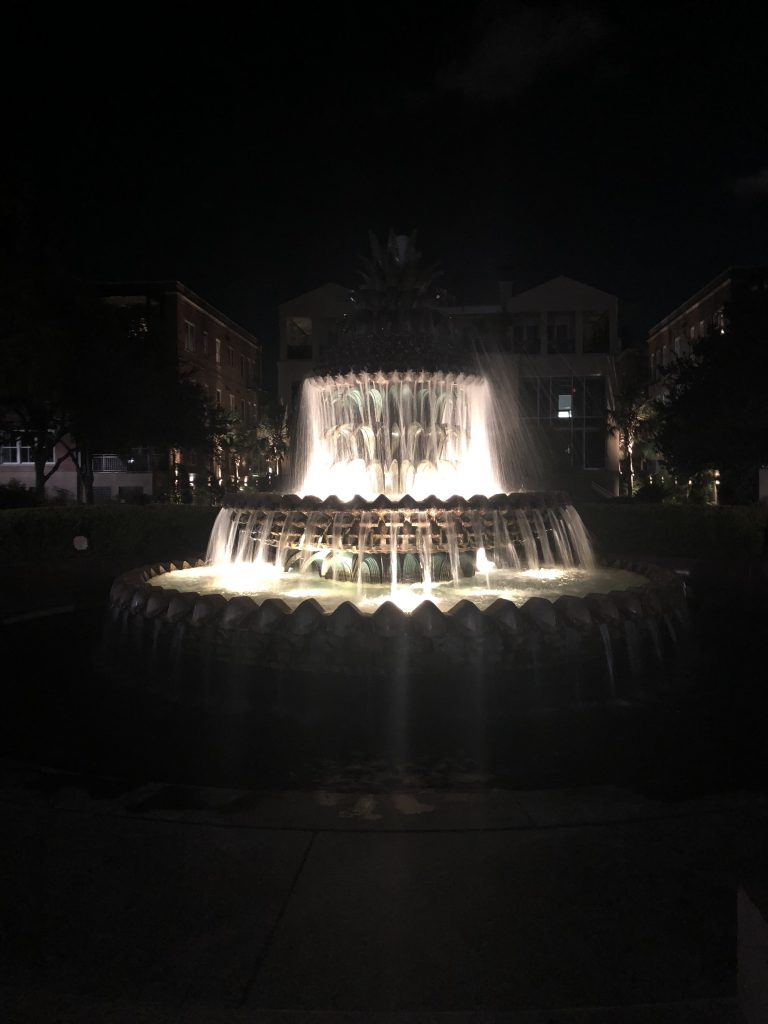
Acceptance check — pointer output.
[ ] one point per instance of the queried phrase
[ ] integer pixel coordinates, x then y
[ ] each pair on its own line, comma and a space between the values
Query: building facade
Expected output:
309, 325
216, 352
552, 351
702, 315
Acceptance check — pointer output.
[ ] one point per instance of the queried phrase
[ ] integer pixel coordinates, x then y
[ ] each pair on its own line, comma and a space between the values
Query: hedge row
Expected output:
147, 532
153, 533
678, 531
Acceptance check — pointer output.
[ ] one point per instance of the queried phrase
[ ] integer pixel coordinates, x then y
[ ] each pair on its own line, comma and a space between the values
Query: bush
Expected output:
652, 493
15, 495
135, 533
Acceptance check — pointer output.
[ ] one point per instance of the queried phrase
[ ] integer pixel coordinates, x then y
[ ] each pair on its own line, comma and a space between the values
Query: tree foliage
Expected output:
632, 414
715, 413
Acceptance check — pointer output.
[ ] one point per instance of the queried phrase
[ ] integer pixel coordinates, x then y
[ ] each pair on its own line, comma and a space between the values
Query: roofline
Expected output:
703, 293
170, 286
550, 280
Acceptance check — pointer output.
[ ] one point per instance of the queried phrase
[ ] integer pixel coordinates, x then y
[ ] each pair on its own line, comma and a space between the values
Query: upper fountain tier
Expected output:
394, 433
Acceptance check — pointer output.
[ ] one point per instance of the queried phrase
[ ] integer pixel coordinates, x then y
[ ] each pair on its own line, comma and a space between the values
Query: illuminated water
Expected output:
396, 434
482, 589
421, 437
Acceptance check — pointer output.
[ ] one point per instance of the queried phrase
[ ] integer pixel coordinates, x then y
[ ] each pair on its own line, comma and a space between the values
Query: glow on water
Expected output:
482, 589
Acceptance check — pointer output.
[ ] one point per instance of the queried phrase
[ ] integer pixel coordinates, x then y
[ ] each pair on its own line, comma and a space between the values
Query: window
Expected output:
189, 336
564, 406
231, 400
231, 356
560, 333
702, 328
594, 449
242, 410
218, 350
298, 331
693, 331
594, 399
596, 332
664, 355
205, 343
242, 367
525, 335
529, 398
677, 346
218, 398
18, 453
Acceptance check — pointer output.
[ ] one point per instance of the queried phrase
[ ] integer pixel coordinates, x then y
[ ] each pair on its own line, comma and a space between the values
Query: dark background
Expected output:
249, 155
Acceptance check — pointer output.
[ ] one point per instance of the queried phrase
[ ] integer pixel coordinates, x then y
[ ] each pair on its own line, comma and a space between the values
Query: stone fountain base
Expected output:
430, 680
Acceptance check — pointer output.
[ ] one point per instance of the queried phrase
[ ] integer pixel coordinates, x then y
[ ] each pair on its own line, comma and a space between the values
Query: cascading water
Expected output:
397, 486
400, 433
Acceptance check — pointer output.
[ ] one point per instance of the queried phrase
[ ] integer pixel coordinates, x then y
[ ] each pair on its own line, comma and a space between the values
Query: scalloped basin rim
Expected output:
333, 503
655, 582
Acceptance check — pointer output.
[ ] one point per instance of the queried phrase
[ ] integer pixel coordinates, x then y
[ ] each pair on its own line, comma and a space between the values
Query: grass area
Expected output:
677, 531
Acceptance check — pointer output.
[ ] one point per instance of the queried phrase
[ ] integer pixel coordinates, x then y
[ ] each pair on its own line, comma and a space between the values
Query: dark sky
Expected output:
250, 155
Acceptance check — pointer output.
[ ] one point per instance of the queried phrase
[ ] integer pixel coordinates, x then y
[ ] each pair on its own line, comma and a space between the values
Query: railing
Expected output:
108, 464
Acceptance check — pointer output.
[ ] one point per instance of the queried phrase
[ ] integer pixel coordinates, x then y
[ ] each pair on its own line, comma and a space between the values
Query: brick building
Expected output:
219, 354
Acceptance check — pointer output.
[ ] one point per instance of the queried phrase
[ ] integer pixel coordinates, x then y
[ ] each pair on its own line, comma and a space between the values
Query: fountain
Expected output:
399, 581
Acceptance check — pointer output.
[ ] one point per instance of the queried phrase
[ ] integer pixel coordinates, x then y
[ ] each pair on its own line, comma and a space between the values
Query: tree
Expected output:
632, 414
78, 376
715, 413
271, 437
50, 327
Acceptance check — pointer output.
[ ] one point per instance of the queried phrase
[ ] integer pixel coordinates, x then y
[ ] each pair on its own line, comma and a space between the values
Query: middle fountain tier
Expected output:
403, 541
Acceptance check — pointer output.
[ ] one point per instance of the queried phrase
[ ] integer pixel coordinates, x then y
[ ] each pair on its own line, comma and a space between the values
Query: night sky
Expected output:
249, 156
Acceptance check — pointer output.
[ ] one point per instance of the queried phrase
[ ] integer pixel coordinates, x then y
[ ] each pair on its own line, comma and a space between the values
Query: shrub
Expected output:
15, 495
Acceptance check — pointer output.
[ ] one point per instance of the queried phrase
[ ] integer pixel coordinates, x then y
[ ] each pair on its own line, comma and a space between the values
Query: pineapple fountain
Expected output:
400, 594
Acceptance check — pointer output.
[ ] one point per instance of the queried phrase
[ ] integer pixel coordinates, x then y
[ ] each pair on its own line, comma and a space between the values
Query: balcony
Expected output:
108, 464
137, 461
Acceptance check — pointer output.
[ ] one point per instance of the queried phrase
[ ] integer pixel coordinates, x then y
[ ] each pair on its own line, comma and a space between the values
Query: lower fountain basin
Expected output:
593, 638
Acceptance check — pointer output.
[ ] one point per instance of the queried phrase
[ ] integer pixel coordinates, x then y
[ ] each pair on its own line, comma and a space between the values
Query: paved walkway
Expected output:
165, 903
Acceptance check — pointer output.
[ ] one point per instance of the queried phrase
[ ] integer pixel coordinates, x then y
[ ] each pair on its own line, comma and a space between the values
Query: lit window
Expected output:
218, 350
189, 336
564, 406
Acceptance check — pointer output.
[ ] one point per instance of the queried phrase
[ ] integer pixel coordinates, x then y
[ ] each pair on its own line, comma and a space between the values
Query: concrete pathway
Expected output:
175, 903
